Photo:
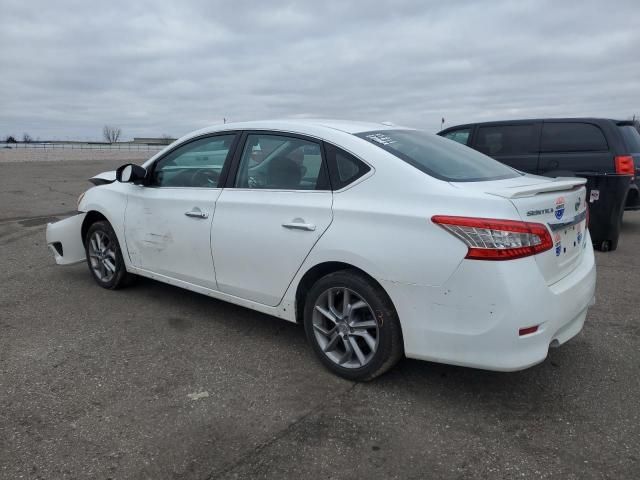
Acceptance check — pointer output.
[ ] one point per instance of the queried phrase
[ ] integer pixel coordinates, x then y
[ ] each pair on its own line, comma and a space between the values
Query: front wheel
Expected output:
105, 257
352, 325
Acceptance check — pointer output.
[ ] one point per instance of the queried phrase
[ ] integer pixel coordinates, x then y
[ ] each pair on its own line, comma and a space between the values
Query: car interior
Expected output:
291, 165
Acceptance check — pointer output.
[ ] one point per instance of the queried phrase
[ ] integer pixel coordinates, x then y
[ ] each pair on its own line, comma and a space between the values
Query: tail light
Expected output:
624, 165
490, 239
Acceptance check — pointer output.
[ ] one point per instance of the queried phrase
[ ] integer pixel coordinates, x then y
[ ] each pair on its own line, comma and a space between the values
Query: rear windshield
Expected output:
631, 138
439, 157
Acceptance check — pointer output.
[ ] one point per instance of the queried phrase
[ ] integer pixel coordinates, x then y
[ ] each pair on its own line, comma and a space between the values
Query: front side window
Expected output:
196, 164
572, 137
438, 157
460, 136
281, 163
507, 140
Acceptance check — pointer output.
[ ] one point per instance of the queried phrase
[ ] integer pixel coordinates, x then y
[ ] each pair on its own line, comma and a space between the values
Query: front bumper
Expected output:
64, 239
474, 319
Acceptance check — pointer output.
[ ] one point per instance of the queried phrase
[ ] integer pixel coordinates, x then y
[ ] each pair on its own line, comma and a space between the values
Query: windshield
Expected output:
631, 138
441, 158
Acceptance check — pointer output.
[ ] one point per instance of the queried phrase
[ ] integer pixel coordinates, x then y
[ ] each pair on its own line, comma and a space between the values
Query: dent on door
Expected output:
145, 232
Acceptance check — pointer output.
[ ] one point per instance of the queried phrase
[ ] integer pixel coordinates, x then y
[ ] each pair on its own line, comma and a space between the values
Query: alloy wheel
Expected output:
345, 327
102, 256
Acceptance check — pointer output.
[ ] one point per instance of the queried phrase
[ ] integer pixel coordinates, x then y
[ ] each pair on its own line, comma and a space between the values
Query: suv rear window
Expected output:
572, 137
439, 157
631, 138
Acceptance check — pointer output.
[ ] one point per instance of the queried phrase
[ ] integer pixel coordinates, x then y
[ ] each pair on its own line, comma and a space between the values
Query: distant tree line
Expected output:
26, 138
111, 134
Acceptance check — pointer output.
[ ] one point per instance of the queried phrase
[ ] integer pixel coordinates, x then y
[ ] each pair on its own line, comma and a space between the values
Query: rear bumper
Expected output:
64, 239
474, 319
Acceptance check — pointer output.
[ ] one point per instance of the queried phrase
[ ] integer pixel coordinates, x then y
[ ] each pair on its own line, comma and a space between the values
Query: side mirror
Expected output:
131, 173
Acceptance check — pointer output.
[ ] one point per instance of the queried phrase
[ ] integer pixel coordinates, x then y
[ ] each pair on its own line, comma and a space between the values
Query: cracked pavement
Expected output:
102, 384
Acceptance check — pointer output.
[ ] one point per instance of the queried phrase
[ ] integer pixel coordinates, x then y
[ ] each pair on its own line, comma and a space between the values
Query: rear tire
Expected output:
352, 325
104, 257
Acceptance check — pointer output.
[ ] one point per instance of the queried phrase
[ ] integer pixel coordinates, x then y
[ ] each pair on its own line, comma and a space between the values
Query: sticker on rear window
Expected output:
594, 196
381, 138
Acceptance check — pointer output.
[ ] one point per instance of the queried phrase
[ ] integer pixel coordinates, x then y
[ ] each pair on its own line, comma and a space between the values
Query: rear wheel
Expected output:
104, 256
352, 325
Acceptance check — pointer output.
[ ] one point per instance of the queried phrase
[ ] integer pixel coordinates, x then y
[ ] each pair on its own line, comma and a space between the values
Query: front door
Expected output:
275, 210
168, 221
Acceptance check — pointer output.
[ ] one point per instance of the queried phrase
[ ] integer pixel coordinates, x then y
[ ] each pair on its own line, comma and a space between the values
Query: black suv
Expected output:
559, 147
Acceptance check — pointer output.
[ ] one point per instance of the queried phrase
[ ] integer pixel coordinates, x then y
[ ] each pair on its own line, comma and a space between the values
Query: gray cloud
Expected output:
167, 67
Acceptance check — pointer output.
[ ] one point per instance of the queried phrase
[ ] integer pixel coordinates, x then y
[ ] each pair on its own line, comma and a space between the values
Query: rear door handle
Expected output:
300, 226
196, 213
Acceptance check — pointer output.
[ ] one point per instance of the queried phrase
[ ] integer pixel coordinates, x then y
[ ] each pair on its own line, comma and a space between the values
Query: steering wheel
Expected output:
205, 178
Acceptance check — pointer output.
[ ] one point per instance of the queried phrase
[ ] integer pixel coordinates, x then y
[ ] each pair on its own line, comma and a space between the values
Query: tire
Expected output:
333, 329
104, 255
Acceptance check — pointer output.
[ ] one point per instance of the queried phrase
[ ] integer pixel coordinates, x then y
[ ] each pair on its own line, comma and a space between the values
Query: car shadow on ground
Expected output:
519, 391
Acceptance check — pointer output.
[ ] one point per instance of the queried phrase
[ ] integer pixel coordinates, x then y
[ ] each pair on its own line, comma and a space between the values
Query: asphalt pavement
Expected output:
157, 382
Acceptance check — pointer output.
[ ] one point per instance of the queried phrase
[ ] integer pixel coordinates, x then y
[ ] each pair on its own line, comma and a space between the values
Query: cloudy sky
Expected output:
153, 68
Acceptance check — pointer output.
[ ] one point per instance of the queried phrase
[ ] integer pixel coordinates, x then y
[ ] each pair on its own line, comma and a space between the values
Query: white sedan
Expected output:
383, 241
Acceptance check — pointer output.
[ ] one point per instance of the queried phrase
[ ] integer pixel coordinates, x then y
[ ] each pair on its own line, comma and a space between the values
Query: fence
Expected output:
85, 146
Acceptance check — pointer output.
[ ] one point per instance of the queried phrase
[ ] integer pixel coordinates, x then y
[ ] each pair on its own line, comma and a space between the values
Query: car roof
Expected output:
530, 120
306, 125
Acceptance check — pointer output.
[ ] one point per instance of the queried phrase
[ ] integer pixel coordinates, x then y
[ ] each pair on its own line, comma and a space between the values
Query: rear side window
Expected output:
344, 167
507, 140
572, 137
631, 138
439, 157
460, 136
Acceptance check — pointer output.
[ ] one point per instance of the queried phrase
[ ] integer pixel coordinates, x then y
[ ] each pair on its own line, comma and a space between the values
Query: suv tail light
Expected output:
490, 239
624, 165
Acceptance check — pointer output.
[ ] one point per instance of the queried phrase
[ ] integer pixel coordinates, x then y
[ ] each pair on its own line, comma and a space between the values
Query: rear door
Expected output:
514, 144
567, 147
276, 206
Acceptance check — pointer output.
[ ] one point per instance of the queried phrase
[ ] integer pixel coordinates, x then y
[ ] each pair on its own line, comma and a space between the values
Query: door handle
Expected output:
196, 213
310, 227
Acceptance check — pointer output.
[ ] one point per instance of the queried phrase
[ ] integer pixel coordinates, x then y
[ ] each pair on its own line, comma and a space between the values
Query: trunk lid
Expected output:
558, 203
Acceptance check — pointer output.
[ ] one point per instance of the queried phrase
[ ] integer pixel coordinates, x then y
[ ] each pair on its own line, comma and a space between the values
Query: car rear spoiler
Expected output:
558, 184
104, 178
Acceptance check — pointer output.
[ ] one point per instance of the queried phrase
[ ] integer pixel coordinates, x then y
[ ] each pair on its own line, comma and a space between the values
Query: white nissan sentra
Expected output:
383, 241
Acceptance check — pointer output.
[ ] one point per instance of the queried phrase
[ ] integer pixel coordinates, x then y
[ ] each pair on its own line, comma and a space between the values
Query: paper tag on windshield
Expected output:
595, 196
